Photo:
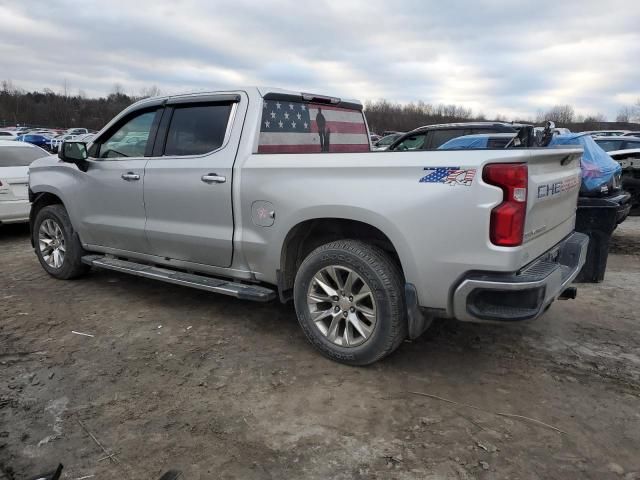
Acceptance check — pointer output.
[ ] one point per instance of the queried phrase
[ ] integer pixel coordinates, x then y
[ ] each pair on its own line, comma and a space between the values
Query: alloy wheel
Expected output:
342, 306
51, 243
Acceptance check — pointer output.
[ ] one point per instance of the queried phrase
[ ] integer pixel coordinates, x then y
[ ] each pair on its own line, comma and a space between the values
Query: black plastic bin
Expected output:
598, 218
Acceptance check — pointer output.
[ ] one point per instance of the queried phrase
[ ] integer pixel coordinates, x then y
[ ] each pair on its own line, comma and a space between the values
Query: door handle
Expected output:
213, 178
130, 176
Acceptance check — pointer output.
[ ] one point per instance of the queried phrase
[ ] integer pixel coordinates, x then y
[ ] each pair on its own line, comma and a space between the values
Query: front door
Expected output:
187, 185
110, 196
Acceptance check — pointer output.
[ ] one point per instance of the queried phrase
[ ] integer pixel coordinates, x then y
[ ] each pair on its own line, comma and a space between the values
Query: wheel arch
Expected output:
307, 235
39, 200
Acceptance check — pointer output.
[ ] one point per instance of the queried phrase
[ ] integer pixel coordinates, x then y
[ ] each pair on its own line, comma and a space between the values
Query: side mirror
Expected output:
74, 152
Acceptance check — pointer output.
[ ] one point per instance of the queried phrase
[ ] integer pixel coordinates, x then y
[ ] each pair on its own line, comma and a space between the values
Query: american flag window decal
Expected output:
300, 127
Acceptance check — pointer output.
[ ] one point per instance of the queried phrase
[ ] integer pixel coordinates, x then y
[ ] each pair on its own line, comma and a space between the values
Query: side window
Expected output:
609, 145
629, 145
197, 129
130, 139
412, 142
302, 127
439, 137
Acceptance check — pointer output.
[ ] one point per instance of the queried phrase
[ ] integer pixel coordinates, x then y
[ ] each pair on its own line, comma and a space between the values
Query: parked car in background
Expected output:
39, 140
601, 175
631, 134
606, 133
620, 142
54, 143
629, 161
87, 137
627, 154
431, 137
15, 158
385, 142
76, 131
8, 135
483, 140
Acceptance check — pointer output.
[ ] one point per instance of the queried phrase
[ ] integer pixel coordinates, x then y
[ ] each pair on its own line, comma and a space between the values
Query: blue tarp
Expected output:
598, 168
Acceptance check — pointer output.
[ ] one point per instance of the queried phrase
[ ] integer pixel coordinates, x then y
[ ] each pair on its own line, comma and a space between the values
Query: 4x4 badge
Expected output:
449, 176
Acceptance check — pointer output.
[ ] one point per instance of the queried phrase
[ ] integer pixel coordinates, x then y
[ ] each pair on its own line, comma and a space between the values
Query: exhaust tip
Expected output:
569, 293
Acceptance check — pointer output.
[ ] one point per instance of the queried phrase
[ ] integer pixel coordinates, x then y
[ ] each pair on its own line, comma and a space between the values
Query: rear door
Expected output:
187, 187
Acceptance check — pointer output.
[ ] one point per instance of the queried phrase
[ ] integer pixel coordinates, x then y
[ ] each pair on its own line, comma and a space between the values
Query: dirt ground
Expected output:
174, 378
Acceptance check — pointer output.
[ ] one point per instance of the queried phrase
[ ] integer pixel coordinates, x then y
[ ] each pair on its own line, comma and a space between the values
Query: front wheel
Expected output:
349, 299
57, 246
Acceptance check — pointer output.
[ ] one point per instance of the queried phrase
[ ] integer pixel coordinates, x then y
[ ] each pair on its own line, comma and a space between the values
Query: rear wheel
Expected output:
57, 246
350, 302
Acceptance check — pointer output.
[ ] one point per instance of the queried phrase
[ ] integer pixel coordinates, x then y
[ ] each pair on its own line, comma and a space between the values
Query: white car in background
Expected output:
8, 135
55, 142
15, 158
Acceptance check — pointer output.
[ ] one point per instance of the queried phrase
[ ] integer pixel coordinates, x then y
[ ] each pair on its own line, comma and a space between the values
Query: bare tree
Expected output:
152, 91
625, 114
117, 89
560, 114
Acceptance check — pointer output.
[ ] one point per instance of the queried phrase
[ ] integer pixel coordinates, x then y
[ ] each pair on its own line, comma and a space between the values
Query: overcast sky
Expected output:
496, 57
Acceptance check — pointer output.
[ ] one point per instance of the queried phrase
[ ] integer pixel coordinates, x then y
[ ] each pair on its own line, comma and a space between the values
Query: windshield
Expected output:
19, 156
388, 140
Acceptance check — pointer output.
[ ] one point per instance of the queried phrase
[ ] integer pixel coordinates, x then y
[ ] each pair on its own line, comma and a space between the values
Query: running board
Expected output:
210, 284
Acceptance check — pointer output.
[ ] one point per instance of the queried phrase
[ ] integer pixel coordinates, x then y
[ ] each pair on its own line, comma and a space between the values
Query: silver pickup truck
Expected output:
265, 193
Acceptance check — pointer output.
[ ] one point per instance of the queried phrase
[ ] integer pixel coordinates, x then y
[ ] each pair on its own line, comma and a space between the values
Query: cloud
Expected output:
510, 58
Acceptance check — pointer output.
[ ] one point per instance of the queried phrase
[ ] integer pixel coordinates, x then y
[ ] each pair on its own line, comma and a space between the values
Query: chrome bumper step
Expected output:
201, 282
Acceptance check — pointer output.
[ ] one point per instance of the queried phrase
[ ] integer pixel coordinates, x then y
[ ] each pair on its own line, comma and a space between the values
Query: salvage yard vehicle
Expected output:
431, 137
266, 193
629, 161
614, 143
601, 175
384, 142
15, 158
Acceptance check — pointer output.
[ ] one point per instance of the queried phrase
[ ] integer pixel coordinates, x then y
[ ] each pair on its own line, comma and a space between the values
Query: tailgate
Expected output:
554, 183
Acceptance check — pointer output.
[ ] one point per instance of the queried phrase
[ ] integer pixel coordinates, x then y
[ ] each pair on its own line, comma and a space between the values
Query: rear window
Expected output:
19, 156
197, 129
302, 127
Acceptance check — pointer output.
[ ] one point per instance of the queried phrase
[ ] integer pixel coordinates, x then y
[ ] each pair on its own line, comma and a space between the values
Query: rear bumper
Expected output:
14, 211
624, 203
521, 295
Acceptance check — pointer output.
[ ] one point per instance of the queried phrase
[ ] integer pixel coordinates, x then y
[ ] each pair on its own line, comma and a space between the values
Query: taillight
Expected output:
507, 219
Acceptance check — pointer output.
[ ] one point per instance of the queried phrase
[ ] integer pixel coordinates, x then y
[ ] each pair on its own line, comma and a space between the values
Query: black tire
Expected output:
72, 265
385, 281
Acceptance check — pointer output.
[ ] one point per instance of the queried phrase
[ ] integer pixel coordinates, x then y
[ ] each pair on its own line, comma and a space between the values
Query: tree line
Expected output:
64, 110
383, 115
